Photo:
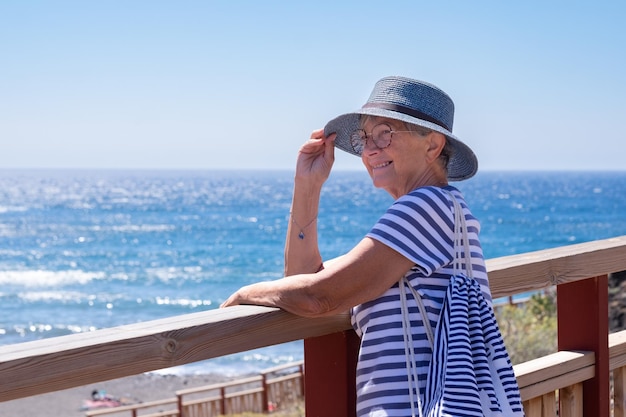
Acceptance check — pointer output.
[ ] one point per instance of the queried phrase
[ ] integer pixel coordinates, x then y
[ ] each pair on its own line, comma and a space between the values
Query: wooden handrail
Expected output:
286, 377
534, 271
552, 372
220, 385
282, 367
122, 408
617, 350
69, 361
58, 363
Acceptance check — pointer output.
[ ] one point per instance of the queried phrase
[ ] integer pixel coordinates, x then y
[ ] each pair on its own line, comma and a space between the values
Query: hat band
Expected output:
406, 110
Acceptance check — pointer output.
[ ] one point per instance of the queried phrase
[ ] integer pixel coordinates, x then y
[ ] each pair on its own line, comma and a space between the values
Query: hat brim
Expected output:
462, 164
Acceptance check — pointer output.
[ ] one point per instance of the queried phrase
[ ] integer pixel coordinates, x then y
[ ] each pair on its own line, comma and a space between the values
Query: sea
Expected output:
82, 250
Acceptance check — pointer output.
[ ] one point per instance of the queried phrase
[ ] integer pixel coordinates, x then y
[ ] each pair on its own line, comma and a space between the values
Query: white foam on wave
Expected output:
143, 228
7, 230
34, 331
184, 302
7, 209
47, 278
169, 273
64, 296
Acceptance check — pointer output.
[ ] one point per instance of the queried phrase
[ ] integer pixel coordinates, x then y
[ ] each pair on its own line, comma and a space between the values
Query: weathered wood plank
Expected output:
69, 361
549, 407
619, 392
540, 269
172, 413
207, 409
141, 406
552, 372
542, 406
220, 385
617, 349
533, 407
571, 401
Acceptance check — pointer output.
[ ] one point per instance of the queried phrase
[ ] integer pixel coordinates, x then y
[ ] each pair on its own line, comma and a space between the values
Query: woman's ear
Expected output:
436, 143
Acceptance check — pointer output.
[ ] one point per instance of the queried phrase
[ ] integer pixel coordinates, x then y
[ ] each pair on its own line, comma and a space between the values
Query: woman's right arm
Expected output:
315, 160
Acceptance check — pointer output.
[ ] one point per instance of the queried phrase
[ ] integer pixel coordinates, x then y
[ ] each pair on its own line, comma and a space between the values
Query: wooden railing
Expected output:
274, 388
578, 375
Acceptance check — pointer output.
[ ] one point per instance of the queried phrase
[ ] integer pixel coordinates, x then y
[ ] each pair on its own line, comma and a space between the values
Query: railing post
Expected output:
330, 374
583, 316
301, 368
223, 400
265, 397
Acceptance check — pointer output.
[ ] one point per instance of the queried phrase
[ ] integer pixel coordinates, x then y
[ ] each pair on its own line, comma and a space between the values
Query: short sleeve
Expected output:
420, 226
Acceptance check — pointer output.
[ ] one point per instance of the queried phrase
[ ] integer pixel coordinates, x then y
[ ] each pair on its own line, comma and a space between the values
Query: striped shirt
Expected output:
420, 226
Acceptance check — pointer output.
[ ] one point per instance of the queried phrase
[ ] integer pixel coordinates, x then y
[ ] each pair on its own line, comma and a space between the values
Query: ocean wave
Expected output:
52, 296
8, 209
47, 278
23, 333
143, 228
170, 273
183, 302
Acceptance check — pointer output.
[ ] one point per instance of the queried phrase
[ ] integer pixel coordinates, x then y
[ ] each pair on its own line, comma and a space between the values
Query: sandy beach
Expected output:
68, 403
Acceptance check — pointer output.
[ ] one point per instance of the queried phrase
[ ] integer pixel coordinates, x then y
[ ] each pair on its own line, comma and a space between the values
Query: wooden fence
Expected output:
578, 376
273, 389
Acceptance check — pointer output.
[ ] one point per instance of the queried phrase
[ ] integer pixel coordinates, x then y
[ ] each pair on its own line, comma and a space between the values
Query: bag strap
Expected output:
461, 240
461, 250
422, 309
409, 352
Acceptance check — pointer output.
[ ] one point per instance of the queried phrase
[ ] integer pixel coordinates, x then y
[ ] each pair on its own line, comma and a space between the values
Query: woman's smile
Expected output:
381, 165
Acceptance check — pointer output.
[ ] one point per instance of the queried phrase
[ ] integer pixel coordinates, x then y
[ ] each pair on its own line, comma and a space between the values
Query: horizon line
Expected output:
342, 169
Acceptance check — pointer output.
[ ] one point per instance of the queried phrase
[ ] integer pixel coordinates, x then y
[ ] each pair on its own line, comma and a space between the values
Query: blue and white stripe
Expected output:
420, 226
470, 374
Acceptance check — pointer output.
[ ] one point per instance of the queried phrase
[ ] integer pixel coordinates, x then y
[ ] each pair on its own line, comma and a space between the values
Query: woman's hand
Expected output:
233, 300
316, 157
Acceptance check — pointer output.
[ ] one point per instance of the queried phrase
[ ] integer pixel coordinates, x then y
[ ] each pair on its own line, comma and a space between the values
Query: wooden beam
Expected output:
571, 401
619, 392
541, 269
617, 350
69, 361
553, 371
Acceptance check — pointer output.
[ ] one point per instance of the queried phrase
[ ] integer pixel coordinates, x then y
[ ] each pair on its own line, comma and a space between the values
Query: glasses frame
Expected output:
358, 141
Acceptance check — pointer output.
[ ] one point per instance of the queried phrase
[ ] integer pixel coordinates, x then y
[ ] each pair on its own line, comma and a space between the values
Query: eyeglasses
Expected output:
381, 136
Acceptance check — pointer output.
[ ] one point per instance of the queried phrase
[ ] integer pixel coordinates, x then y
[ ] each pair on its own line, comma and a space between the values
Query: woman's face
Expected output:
410, 160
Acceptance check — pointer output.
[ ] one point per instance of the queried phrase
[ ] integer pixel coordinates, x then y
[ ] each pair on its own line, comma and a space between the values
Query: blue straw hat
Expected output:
414, 102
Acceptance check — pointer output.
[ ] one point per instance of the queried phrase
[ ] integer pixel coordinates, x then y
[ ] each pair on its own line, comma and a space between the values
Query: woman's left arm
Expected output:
363, 274
315, 160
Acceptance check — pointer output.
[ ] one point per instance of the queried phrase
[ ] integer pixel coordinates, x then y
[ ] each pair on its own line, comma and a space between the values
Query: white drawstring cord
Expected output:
409, 352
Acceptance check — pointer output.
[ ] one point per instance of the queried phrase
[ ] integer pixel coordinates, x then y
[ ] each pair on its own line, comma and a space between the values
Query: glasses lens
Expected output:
382, 136
357, 140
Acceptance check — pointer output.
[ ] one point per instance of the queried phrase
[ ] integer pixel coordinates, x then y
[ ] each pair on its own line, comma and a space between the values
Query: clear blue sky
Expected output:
241, 84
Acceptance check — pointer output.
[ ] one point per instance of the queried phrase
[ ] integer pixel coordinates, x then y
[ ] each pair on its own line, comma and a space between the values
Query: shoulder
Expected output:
432, 200
419, 225
425, 211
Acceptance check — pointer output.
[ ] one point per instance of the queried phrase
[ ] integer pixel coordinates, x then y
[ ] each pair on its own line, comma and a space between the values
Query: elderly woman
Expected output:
403, 135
